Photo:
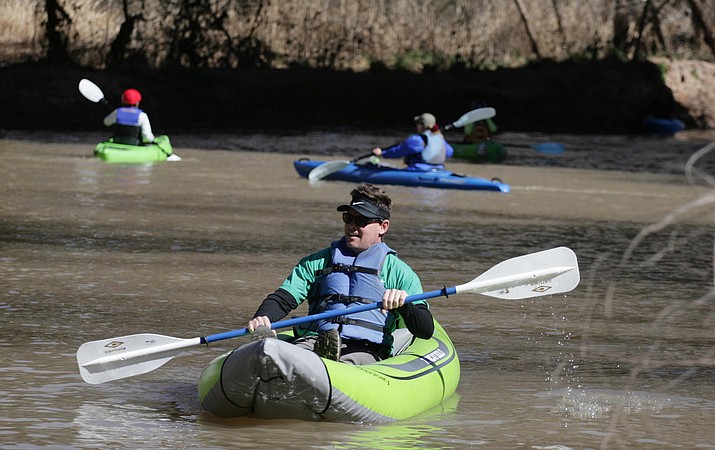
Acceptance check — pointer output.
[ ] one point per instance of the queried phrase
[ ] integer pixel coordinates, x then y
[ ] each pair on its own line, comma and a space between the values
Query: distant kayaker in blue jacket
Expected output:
131, 124
424, 151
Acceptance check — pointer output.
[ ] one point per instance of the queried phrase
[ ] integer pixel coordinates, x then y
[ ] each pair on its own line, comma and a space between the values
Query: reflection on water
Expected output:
428, 429
102, 423
90, 250
153, 419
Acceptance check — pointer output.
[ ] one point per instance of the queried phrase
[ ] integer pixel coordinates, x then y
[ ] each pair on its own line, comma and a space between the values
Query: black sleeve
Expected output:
277, 305
418, 319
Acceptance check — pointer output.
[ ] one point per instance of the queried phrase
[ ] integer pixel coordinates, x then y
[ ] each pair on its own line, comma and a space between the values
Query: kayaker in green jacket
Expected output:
356, 269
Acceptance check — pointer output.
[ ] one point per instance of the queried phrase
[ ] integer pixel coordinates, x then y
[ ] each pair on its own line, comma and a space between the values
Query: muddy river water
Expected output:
90, 250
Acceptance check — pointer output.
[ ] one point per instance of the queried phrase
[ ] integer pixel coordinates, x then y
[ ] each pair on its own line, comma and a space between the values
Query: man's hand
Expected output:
393, 299
257, 322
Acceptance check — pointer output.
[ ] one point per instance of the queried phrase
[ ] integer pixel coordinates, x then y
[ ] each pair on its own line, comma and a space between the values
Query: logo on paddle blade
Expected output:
542, 288
114, 344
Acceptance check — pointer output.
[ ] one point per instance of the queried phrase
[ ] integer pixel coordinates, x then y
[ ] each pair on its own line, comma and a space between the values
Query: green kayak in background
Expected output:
481, 152
478, 146
159, 150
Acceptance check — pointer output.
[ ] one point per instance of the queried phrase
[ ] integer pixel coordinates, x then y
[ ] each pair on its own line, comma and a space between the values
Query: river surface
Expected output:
91, 251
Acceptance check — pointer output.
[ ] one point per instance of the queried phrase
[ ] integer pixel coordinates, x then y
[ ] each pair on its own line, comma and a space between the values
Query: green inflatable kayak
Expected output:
481, 152
114, 152
272, 378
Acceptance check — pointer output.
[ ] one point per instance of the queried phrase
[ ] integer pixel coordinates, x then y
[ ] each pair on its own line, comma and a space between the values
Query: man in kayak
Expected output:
131, 124
359, 268
424, 151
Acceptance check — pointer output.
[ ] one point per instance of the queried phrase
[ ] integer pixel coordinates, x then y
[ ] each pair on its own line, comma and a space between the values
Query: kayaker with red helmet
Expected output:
131, 124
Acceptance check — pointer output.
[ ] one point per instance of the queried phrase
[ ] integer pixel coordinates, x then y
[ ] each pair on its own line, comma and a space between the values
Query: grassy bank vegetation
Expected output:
413, 35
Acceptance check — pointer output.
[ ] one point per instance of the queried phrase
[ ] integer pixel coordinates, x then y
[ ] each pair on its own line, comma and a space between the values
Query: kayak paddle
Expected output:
543, 273
330, 167
472, 116
94, 94
91, 91
549, 148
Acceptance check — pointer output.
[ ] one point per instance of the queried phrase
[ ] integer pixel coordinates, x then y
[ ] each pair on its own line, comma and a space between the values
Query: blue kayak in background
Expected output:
383, 174
662, 127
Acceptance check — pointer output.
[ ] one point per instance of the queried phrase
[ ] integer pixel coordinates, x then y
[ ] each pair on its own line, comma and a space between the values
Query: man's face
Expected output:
360, 238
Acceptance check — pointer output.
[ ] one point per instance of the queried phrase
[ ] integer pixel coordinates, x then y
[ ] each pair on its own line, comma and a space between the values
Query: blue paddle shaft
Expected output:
329, 314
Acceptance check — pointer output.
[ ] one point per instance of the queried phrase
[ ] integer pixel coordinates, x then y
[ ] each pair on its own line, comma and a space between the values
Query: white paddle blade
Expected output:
91, 91
543, 273
326, 169
475, 116
126, 356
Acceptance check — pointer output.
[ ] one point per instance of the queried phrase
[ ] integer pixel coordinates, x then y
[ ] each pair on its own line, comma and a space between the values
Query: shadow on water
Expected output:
602, 96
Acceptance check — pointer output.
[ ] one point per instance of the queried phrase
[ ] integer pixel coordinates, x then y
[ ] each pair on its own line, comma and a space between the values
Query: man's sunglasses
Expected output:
360, 221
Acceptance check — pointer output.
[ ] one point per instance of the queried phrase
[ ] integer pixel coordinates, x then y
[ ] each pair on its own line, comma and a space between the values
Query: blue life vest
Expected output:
127, 129
352, 280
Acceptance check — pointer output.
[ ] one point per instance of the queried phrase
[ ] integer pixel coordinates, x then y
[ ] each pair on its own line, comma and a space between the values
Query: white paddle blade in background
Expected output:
126, 356
326, 169
474, 116
91, 91
548, 272
330, 167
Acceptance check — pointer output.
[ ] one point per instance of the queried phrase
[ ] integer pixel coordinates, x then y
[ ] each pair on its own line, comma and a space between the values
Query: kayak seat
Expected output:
126, 140
402, 338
